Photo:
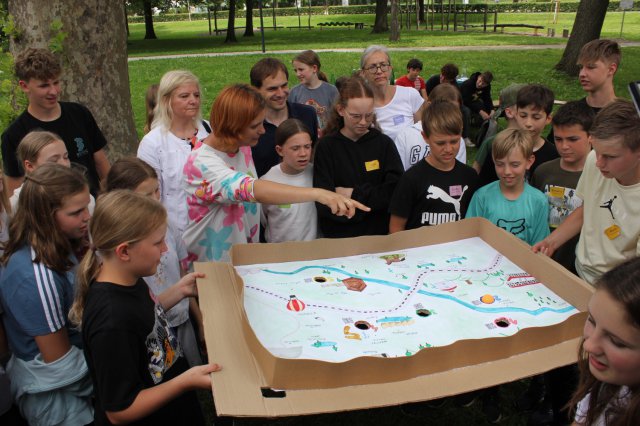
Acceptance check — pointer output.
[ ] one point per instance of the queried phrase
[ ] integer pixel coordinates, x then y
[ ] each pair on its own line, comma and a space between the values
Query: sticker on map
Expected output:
395, 303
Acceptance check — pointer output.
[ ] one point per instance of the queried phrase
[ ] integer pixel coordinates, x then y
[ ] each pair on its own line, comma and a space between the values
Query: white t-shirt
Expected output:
611, 229
412, 147
290, 222
583, 407
398, 114
167, 153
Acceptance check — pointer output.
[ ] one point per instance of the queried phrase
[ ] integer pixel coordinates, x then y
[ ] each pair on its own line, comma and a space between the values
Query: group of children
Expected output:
96, 298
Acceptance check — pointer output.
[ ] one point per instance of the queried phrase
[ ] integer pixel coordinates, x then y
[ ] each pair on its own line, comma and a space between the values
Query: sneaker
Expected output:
468, 143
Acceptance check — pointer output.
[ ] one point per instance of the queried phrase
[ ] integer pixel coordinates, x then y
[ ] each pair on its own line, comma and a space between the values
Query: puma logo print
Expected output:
608, 204
513, 226
436, 193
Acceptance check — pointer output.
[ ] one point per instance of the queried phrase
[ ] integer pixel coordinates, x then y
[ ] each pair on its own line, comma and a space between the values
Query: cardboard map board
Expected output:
314, 386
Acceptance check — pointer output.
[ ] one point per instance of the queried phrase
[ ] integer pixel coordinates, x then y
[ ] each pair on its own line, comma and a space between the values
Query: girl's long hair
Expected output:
31, 145
121, 216
351, 88
622, 283
311, 58
43, 194
128, 173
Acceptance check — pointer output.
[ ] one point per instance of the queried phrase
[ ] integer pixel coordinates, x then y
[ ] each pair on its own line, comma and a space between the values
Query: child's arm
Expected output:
151, 399
53, 346
186, 287
563, 233
276, 193
397, 224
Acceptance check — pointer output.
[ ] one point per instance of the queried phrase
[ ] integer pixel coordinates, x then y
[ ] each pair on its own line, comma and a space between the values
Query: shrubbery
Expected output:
502, 7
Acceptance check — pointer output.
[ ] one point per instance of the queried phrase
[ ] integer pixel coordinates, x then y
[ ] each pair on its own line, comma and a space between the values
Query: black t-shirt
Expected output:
547, 152
77, 128
428, 196
372, 167
130, 347
264, 153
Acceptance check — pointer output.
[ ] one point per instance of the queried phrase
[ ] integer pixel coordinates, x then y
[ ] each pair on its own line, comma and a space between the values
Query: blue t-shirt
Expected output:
36, 301
525, 217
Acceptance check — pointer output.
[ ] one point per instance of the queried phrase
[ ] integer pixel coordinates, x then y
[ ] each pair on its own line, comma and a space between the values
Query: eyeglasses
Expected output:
373, 68
358, 117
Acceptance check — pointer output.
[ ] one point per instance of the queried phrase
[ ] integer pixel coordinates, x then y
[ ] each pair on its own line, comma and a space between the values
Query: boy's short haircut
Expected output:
537, 96
37, 63
487, 77
441, 117
449, 71
266, 67
510, 139
607, 51
414, 64
574, 113
618, 121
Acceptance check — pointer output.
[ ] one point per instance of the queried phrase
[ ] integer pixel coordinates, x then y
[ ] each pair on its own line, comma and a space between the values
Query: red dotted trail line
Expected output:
410, 292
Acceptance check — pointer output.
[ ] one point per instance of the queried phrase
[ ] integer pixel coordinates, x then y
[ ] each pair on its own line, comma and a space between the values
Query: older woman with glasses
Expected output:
358, 161
396, 107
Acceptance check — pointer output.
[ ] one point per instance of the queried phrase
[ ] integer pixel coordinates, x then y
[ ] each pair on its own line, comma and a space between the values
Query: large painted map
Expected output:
393, 304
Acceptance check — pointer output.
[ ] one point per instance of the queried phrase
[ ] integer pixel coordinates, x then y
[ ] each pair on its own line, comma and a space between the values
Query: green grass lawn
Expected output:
193, 37
523, 66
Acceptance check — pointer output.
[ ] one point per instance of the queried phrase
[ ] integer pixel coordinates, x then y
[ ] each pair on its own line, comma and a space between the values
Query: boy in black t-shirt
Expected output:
438, 189
38, 72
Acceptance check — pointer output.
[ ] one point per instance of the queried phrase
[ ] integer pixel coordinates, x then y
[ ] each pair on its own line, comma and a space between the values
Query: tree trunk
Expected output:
586, 27
380, 25
231, 24
149, 33
248, 29
420, 11
395, 25
95, 71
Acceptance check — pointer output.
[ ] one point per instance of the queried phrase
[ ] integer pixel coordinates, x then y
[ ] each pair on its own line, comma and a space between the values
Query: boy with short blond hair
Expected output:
610, 190
511, 203
437, 189
598, 62
38, 72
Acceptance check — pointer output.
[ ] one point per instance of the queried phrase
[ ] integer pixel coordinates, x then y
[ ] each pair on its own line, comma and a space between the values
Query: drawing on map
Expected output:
394, 304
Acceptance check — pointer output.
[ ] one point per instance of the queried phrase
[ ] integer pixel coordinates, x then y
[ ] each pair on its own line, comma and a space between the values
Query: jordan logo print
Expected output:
607, 205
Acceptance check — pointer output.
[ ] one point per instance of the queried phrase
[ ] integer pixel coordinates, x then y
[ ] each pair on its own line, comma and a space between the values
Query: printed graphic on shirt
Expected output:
81, 149
562, 201
436, 193
608, 204
163, 348
514, 226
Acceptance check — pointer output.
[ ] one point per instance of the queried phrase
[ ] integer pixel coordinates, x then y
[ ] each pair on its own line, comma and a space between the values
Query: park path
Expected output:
359, 49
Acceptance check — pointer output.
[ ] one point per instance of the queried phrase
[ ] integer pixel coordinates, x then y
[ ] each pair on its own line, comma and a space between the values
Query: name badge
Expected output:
556, 191
372, 165
284, 206
612, 232
398, 119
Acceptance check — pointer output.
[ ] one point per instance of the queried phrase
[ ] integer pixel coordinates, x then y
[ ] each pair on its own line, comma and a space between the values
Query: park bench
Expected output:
503, 26
300, 27
356, 25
